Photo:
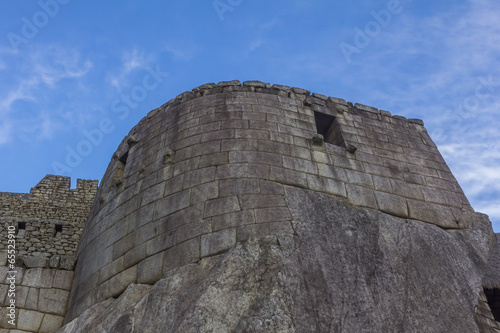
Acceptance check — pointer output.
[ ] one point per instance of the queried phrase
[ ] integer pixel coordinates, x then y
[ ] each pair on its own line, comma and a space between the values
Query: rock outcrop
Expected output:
344, 269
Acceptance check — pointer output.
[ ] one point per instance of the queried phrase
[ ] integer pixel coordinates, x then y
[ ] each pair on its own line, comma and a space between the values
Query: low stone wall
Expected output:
46, 225
48, 221
208, 169
41, 298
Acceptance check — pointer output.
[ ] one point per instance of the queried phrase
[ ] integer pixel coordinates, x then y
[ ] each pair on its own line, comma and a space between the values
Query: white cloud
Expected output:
131, 60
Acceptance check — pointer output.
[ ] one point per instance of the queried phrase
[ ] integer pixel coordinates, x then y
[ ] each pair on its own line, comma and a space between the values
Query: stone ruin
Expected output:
258, 208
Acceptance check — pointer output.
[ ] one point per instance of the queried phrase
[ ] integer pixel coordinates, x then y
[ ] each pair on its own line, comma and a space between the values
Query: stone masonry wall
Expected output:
208, 169
47, 223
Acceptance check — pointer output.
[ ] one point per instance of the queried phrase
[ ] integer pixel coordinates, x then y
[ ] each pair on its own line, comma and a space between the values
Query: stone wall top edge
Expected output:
263, 87
50, 180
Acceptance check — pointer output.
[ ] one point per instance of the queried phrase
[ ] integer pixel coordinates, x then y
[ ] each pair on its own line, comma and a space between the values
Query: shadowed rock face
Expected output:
345, 269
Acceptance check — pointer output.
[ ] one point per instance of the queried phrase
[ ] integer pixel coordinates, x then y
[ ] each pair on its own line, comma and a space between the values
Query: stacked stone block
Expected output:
42, 295
47, 223
208, 169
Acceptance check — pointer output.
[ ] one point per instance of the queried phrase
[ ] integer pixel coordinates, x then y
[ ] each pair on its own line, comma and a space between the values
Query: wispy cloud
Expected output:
131, 60
37, 75
181, 52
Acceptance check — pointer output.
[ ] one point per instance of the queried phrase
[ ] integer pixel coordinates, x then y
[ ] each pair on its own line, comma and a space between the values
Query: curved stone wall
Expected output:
208, 169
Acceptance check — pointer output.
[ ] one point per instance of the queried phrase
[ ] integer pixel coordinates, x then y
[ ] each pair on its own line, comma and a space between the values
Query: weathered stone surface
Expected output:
346, 269
29, 320
51, 323
366, 108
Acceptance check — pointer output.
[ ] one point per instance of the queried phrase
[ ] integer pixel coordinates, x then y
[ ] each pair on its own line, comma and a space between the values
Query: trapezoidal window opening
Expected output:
58, 230
21, 229
328, 126
493, 297
120, 168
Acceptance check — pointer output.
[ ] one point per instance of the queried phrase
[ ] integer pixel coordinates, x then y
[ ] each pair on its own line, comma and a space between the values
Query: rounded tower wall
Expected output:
208, 169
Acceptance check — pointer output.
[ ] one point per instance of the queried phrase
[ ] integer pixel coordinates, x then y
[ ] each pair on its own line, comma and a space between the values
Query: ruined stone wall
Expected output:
208, 169
47, 224
49, 221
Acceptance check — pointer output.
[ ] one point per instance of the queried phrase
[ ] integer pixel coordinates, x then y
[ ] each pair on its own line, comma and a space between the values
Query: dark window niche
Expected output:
120, 168
328, 126
21, 229
58, 230
493, 297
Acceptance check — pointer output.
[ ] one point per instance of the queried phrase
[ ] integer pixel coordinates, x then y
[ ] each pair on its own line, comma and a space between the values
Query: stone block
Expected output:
300, 91
320, 157
261, 201
204, 87
366, 108
382, 171
243, 170
326, 185
269, 187
239, 144
337, 100
33, 261
407, 190
361, 196
432, 213
153, 193
228, 187
199, 176
63, 279
392, 204
214, 159
204, 192
171, 204
256, 157
111, 269
120, 282
320, 96
273, 214
160, 243
192, 229
150, 270
300, 165
255, 83
38, 277
359, 178
217, 242
221, 206
67, 263
231, 220
251, 134
54, 261
3, 259
288, 177
32, 299
301, 152
53, 301
29, 320
134, 256
442, 197
3, 273
181, 254
51, 323
329, 171
382, 184
222, 134
21, 296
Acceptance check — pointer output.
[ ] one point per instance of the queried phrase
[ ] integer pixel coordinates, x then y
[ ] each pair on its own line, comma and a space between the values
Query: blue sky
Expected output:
74, 71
